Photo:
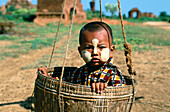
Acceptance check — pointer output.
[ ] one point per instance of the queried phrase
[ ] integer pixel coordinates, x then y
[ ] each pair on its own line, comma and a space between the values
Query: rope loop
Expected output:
128, 54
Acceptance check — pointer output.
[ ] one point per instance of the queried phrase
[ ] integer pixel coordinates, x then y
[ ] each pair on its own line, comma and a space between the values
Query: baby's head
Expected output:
95, 41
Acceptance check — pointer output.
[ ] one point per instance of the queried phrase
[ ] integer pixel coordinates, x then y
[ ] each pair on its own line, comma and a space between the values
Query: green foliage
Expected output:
39, 43
91, 15
142, 19
164, 17
9, 54
7, 37
112, 8
11, 8
163, 14
13, 46
20, 14
20, 11
0, 13
124, 16
8, 17
32, 11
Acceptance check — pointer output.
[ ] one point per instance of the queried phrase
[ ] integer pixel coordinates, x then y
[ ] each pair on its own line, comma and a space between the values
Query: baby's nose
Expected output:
95, 50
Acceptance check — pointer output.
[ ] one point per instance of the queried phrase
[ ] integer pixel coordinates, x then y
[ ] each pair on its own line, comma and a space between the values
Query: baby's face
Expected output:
95, 48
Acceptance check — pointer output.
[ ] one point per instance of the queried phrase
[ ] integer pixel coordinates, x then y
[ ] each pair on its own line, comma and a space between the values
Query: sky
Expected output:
155, 6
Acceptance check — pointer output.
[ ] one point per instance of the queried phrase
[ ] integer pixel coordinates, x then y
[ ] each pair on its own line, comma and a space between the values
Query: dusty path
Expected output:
163, 25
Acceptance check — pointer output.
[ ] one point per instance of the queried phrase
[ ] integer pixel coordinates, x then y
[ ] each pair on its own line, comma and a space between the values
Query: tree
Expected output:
112, 8
11, 8
1, 13
20, 11
163, 14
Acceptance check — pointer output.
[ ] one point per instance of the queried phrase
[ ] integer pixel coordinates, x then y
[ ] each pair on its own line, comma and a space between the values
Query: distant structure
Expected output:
3, 9
134, 10
139, 14
92, 5
50, 10
146, 14
18, 4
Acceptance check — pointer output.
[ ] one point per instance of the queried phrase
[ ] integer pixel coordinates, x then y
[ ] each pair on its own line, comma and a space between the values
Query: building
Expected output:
139, 14
50, 10
18, 4
3, 9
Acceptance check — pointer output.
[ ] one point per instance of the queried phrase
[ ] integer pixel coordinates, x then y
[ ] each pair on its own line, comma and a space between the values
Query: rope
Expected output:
63, 5
123, 30
101, 10
66, 50
128, 53
127, 46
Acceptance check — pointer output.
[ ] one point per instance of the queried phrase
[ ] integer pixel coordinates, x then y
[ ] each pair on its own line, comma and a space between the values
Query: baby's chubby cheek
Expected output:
105, 54
86, 55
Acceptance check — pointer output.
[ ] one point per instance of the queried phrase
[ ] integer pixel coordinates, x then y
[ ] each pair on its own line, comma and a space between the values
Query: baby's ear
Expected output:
112, 48
79, 49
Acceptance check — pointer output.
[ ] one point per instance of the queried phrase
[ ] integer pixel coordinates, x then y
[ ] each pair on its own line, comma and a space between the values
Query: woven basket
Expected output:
79, 98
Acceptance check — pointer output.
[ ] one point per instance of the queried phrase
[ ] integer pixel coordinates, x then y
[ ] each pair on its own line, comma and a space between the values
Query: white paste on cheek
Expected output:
86, 55
95, 42
105, 54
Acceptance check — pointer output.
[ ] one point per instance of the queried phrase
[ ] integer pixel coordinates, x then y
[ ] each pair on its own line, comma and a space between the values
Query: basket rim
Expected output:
75, 96
108, 93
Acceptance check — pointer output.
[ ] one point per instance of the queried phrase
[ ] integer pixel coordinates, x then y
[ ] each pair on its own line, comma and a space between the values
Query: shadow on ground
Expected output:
27, 104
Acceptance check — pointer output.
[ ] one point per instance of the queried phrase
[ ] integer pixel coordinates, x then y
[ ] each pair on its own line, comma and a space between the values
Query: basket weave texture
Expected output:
79, 98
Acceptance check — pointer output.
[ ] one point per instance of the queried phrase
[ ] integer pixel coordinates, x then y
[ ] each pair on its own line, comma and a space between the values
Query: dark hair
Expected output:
96, 26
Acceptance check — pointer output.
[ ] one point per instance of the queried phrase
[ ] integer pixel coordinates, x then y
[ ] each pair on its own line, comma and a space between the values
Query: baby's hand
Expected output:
43, 70
99, 87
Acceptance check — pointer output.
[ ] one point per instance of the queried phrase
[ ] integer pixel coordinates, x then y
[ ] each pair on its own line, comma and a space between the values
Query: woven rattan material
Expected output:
79, 98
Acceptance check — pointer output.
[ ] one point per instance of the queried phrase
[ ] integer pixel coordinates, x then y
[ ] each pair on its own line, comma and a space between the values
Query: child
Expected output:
96, 49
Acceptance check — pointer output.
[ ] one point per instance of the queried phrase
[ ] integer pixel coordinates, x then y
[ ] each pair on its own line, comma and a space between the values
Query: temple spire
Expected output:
3, 8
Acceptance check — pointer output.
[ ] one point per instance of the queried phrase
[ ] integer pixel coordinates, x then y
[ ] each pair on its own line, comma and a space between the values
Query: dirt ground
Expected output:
152, 67
164, 25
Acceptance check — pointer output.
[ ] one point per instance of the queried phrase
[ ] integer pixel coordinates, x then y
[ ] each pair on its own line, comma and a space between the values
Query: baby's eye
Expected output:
89, 47
102, 47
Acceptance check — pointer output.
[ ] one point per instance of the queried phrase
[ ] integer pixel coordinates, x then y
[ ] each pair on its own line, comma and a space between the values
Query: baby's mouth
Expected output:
95, 60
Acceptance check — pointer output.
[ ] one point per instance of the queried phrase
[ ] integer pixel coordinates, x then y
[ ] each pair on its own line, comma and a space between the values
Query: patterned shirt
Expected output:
107, 73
